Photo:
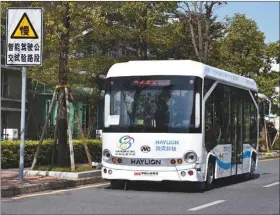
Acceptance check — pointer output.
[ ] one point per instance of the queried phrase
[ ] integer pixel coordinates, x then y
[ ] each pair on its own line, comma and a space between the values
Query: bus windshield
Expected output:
154, 104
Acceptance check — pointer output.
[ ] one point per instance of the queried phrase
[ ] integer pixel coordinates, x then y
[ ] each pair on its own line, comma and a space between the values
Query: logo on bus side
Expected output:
125, 142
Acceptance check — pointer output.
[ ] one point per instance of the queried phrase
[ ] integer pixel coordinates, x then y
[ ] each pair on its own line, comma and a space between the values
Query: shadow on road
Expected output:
182, 187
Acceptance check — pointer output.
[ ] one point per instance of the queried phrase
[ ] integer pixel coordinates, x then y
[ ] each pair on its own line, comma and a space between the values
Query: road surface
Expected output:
257, 196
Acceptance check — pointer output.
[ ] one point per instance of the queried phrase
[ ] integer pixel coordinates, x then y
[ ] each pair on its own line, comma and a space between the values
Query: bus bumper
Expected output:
191, 175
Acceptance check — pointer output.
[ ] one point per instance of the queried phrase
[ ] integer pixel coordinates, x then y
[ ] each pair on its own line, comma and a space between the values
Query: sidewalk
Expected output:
10, 185
11, 178
266, 155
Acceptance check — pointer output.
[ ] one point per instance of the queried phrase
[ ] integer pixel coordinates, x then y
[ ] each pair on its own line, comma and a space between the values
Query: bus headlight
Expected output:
190, 157
106, 154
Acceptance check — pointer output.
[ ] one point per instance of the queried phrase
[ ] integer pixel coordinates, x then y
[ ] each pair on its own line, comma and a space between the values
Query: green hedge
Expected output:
277, 144
10, 152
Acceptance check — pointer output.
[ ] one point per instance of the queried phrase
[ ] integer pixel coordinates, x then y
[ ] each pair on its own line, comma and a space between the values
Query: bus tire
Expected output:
116, 184
250, 175
210, 175
208, 184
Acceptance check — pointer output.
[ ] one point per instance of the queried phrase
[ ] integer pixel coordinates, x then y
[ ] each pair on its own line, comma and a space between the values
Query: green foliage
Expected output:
10, 152
146, 23
79, 14
242, 50
267, 82
277, 144
273, 50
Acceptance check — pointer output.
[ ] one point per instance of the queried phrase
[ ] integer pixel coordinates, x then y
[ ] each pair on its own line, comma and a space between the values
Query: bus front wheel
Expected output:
250, 175
117, 184
208, 184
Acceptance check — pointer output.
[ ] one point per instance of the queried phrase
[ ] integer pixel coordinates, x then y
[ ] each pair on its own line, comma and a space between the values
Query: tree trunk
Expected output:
92, 104
62, 77
62, 129
209, 10
69, 123
143, 37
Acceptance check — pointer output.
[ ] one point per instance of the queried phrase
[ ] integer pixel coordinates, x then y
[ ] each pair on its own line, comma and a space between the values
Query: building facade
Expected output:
10, 101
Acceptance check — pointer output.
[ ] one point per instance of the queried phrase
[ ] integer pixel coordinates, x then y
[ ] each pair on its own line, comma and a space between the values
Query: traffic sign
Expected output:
24, 36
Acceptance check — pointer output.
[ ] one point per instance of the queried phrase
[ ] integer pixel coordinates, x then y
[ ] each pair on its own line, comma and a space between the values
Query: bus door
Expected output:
236, 133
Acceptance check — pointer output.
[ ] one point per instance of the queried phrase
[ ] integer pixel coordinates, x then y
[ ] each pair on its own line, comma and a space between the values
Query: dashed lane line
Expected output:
207, 205
270, 185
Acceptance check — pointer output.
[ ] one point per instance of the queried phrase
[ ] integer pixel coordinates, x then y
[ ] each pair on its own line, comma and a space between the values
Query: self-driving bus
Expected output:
178, 120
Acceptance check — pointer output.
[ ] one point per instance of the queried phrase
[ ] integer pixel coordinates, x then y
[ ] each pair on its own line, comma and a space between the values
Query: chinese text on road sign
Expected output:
24, 36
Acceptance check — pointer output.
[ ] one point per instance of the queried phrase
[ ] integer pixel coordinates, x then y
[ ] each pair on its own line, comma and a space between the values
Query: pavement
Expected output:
257, 196
11, 178
11, 186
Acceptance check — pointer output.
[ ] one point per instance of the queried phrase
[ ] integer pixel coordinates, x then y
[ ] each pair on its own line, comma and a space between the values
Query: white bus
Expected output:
178, 120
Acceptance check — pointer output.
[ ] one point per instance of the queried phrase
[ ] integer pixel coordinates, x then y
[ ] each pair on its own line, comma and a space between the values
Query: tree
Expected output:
244, 52
242, 49
272, 50
63, 21
272, 54
143, 23
178, 43
203, 27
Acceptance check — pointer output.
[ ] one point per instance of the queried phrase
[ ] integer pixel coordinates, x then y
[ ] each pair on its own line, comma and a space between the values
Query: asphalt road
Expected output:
257, 196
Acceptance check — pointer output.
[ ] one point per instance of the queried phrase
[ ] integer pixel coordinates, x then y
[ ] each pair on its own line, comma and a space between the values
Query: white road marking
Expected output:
207, 205
270, 185
60, 191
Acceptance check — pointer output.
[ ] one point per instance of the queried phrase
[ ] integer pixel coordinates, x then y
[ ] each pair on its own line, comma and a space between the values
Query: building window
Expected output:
4, 84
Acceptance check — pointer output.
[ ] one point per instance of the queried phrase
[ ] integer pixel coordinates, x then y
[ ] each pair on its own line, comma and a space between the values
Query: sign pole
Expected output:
24, 47
22, 124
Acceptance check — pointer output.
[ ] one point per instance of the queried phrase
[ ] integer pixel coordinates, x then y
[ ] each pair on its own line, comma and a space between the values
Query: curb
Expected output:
64, 175
269, 157
60, 184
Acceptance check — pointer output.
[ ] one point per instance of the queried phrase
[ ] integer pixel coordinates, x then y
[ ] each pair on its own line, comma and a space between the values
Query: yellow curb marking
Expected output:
269, 159
59, 191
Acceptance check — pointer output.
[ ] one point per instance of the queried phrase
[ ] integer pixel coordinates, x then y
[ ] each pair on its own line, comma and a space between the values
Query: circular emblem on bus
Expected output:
125, 142
145, 149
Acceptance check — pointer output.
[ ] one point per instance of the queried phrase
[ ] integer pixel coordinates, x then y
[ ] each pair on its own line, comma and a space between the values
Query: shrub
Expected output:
277, 143
10, 152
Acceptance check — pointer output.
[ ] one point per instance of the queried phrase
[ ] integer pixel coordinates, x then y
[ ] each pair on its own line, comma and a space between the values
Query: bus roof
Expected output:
181, 68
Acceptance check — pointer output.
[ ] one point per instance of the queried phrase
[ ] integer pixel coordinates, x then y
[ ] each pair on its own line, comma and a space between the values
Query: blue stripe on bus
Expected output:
246, 154
221, 164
